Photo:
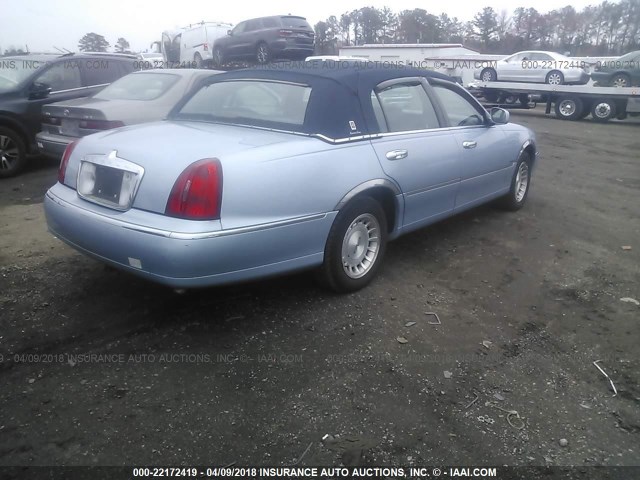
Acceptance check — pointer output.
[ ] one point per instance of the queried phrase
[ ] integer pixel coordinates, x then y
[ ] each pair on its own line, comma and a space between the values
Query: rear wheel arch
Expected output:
382, 191
12, 124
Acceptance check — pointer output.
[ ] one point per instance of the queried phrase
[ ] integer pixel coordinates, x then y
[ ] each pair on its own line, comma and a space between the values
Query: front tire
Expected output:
520, 183
554, 77
355, 246
621, 80
13, 153
218, 57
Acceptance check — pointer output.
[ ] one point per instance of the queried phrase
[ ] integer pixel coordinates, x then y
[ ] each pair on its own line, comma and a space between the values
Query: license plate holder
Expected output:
69, 127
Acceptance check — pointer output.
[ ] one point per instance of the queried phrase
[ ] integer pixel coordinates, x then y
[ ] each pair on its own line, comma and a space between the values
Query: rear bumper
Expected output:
288, 48
52, 145
182, 260
603, 78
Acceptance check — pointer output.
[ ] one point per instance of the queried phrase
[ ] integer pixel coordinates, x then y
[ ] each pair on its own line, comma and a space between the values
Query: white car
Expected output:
536, 67
193, 45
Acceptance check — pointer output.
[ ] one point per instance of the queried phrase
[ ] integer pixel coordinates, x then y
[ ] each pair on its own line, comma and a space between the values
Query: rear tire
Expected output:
603, 110
13, 153
569, 108
488, 75
520, 184
262, 54
355, 246
197, 59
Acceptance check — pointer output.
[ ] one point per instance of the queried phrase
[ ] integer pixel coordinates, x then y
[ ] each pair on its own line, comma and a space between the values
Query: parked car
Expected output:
193, 45
621, 72
264, 39
136, 98
27, 82
536, 67
265, 171
151, 60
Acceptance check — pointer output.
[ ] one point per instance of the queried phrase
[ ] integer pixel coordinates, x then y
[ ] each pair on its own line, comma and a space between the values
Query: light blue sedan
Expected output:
265, 171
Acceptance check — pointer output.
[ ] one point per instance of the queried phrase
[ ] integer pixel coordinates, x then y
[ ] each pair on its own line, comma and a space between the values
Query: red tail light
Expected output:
100, 124
205, 47
285, 33
197, 194
65, 161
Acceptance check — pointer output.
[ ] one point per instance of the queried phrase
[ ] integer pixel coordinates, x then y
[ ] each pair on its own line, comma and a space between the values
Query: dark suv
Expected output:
27, 82
264, 39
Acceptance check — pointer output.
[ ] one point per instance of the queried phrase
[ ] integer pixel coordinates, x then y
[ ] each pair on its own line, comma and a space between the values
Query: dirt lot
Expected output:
100, 368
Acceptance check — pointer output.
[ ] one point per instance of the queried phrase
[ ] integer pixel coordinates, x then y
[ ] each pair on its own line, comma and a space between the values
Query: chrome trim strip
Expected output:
379, 182
79, 88
266, 80
185, 235
434, 187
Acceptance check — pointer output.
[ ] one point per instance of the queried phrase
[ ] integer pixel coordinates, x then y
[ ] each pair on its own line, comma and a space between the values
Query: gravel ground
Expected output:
101, 368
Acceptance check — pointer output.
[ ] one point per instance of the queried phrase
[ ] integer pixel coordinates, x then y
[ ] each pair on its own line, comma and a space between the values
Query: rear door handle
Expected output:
469, 144
397, 154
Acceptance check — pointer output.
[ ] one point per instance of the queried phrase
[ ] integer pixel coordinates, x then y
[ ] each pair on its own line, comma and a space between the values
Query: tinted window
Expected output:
270, 22
249, 103
103, 70
14, 71
540, 56
253, 25
295, 22
458, 109
141, 86
239, 28
407, 107
62, 76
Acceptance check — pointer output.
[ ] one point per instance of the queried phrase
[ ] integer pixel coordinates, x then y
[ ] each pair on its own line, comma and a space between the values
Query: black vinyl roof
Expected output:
339, 105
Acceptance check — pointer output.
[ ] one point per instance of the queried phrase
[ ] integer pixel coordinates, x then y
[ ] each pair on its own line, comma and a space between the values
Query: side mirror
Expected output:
499, 115
229, 32
39, 90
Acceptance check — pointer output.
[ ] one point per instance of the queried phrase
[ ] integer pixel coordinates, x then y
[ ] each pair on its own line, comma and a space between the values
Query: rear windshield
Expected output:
139, 86
253, 102
295, 22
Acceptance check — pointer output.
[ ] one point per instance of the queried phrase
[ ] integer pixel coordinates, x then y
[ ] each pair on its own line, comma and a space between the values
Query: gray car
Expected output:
265, 171
136, 98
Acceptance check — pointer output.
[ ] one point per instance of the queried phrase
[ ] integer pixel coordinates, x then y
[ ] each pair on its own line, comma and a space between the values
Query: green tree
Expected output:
485, 25
122, 45
92, 42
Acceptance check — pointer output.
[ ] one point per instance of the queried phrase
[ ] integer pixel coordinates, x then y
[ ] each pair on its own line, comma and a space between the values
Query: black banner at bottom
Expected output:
337, 473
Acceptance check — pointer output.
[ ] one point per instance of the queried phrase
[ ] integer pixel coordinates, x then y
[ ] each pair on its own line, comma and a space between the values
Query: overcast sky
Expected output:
43, 24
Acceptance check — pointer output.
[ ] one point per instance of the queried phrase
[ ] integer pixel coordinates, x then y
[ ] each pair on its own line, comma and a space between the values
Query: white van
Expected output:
193, 43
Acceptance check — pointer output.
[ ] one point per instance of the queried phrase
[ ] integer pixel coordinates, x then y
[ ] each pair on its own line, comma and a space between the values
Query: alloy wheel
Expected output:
9, 153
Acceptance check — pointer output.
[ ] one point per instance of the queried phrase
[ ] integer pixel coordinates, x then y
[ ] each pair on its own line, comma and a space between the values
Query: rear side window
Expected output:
259, 103
405, 107
101, 71
270, 22
141, 86
459, 111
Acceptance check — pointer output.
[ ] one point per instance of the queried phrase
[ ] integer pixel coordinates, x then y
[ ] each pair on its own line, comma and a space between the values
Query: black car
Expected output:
264, 39
27, 82
621, 72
